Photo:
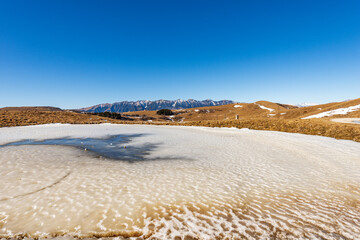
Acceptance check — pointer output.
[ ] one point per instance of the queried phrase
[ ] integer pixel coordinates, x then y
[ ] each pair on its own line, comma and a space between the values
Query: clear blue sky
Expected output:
80, 53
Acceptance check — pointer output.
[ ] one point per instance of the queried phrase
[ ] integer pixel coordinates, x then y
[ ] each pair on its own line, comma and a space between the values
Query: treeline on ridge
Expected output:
109, 115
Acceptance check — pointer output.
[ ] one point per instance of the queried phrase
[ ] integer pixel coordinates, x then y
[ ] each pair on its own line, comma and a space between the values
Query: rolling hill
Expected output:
338, 119
256, 110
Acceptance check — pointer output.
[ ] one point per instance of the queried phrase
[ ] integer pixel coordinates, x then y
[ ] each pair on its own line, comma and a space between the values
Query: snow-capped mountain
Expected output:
305, 104
141, 105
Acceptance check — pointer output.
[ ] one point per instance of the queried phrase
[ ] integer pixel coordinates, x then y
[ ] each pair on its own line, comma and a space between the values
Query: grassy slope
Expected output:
312, 110
253, 110
33, 117
39, 108
312, 127
250, 116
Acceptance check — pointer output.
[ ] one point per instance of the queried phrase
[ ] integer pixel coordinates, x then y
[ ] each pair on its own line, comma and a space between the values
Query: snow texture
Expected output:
193, 183
339, 111
266, 108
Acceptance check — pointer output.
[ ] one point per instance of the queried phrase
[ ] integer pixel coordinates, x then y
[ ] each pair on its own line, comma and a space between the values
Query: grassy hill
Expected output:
260, 109
261, 115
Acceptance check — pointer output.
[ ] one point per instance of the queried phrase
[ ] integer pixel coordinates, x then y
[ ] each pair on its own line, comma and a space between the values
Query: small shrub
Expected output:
109, 115
166, 112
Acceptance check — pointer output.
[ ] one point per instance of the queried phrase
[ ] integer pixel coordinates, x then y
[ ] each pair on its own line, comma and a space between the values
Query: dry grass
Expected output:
250, 116
250, 111
312, 110
35, 117
225, 112
39, 108
311, 127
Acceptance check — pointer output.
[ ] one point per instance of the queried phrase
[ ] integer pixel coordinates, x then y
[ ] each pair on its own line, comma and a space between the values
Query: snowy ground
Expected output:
266, 108
196, 182
347, 120
339, 111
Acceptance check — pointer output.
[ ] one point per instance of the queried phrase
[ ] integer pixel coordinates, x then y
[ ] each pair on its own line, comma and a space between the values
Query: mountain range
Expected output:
305, 104
141, 105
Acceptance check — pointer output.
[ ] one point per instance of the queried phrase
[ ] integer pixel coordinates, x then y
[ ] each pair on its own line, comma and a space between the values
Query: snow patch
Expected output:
262, 107
347, 120
237, 106
304, 104
339, 111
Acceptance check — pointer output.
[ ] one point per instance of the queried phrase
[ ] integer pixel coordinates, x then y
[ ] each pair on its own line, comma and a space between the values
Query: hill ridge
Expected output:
141, 105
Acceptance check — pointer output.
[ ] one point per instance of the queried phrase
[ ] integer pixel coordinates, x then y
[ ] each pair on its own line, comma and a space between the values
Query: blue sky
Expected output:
79, 53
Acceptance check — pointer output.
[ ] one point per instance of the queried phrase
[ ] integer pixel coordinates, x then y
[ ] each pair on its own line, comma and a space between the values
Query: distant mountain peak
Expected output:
141, 105
305, 104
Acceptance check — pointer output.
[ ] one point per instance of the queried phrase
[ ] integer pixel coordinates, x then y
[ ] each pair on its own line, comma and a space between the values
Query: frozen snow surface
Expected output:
339, 111
266, 108
196, 183
347, 120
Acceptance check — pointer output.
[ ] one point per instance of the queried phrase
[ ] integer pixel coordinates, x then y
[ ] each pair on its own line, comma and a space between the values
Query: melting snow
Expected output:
49, 191
339, 111
237, 106
261, 106
347, 120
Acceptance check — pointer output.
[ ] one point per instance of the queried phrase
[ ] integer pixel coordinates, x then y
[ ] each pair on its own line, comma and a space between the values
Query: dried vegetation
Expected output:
284, 118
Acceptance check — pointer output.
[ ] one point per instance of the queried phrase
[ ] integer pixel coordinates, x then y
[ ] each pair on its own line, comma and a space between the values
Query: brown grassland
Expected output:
284, 118
33, 117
